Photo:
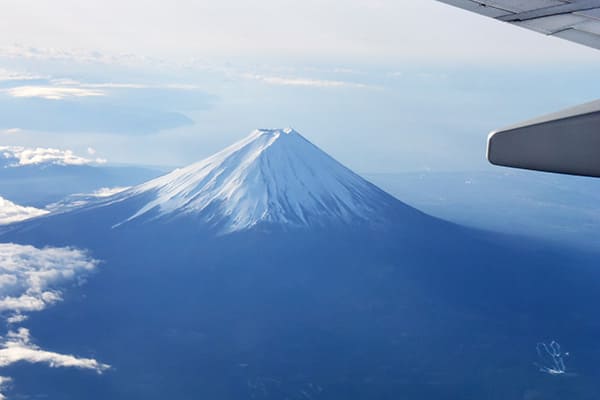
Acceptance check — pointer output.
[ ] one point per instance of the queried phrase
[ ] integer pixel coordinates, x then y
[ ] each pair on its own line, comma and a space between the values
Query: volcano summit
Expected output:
272, 178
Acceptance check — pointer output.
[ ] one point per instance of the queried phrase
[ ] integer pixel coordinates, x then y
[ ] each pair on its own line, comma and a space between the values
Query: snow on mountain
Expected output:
11, 212
273, 176
77, 200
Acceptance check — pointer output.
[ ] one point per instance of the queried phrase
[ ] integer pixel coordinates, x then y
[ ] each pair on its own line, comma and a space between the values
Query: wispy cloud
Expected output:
30, 280
62, 89
113, 85
6, 75
17, 347
4, 382
71, 106
305, 82
53, 92
29, 276
17, 51
11, 131
17, 156
123, 85
16, 319
11, 212
107, 192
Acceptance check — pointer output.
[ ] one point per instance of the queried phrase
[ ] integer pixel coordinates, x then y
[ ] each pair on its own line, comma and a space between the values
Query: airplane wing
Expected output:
567, 141
574, 20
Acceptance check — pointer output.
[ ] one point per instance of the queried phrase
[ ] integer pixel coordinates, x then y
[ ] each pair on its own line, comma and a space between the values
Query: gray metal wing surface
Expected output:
575, 20
564, 142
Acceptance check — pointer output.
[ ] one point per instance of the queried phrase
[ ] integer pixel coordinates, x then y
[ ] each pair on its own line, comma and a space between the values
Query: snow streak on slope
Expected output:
272, 176
81, 199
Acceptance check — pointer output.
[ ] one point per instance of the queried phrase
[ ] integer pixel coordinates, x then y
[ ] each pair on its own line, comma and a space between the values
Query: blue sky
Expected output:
384, 86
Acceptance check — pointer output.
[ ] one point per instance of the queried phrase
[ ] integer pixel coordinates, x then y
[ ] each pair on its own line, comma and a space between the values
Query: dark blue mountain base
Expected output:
416, 309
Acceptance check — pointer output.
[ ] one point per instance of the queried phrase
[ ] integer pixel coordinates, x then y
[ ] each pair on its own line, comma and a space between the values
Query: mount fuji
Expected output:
271, 271
273, 177
270, 177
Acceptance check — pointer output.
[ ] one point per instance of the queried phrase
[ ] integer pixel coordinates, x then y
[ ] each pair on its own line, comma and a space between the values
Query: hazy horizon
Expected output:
383, 86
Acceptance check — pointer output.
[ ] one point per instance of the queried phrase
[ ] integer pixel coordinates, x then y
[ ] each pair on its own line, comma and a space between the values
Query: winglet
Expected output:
566, 142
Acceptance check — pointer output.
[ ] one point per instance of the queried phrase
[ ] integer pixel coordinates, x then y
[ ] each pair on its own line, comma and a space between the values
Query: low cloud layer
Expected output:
52, 92
11, 212
88, 114
6, 75
17, 347
64, 105
306, 82
52, 53
16, 156
31, 279
4, 382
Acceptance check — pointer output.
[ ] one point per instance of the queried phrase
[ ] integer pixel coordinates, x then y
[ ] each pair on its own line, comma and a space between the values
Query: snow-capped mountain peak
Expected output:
272, 176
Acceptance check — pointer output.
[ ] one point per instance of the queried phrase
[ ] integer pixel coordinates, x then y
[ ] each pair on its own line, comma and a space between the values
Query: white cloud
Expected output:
6, 75
4, 382
11, 131
66, 88
53, 92
109, 85
62, 88
107, 192
306, 82
29, 281
123, 85
17, 347
16, 319
29, 276
21, 156
29, 302
17, 51
11, 212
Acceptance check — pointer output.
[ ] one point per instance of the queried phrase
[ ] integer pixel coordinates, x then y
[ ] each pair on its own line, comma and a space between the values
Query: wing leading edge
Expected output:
566, 142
